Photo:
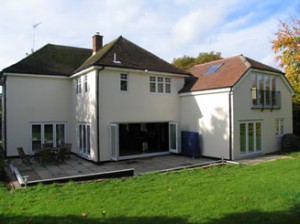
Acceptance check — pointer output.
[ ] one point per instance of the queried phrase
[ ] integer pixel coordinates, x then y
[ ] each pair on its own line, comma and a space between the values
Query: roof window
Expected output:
212, 69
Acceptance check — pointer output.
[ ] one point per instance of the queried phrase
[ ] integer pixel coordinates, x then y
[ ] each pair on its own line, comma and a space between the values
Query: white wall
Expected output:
136, 105
207, 112
243, 111
85, 112
38, 99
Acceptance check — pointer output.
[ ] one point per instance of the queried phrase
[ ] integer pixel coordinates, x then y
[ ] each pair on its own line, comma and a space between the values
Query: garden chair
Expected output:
60, 158
25, 158
68, 152
45, 155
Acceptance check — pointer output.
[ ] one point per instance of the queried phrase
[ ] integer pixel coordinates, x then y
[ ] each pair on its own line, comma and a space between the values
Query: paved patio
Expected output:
80, 168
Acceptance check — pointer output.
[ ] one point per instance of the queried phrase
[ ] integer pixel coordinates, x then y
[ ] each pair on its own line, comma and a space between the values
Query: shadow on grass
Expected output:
86, 220
291, 216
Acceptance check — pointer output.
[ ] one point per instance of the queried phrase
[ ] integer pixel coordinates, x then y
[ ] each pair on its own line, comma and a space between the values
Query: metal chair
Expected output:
24, 158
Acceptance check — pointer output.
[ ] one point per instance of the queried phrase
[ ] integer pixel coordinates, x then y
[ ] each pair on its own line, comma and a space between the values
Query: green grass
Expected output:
263, 193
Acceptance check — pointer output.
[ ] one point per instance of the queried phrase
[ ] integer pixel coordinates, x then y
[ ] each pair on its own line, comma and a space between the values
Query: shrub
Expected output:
290, 142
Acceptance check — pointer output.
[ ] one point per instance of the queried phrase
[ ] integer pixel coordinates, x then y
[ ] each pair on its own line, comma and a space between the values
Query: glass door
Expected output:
36, 136
173, 137
114, 141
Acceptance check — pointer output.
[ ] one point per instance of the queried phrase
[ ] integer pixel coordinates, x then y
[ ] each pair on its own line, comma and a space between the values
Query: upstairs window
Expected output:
159, 84
85, 83
264, 92
124, 82
78, 86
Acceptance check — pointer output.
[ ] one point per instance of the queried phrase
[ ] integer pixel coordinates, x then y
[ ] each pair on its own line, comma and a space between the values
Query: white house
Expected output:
119, 101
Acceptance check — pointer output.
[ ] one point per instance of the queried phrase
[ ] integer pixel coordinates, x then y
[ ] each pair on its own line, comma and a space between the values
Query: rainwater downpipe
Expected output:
98, 112
230, 123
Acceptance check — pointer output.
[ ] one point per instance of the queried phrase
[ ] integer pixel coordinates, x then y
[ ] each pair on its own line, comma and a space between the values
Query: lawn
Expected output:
263, 193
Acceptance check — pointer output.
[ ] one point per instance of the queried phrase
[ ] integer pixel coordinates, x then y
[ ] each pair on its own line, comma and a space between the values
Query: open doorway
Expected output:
141, 138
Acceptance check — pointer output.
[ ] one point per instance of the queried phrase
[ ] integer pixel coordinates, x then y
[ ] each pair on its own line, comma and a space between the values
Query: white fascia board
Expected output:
85, 71
205, 92
145, 71
35, 75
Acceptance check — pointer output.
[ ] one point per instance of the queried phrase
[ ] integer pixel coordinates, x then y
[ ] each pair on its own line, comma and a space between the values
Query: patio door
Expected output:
173, 137
52, 134
114, 141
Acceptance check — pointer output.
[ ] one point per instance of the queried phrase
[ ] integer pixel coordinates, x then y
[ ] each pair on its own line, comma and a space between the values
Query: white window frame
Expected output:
84, 138
279, 127
78, 86
124, 78
255, 150
160, 84
54, 125
263, 84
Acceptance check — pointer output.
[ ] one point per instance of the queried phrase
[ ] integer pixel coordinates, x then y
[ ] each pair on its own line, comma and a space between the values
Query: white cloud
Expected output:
165, 27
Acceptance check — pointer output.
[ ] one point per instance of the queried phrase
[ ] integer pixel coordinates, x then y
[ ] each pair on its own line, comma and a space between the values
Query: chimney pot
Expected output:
97, 42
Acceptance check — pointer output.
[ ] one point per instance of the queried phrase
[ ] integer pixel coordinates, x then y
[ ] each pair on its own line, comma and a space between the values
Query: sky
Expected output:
167, 28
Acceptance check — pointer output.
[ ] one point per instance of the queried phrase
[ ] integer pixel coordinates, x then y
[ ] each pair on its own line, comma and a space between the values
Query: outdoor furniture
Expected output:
68, 153
45, 155
24, 158
60, 158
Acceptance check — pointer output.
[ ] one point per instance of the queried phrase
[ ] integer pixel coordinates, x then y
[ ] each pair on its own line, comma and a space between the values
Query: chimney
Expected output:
97, 42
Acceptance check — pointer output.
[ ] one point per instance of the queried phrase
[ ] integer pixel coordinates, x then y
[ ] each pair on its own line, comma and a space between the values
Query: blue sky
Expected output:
167, 28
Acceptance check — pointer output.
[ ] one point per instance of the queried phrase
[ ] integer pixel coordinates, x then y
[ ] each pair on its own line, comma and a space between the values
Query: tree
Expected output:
287, 49
186, 62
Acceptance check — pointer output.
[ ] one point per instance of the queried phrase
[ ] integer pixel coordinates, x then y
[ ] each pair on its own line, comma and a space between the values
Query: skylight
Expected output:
212, 69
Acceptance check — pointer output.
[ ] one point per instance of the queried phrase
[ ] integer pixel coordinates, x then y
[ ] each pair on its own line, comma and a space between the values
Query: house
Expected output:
119, 101
240, 107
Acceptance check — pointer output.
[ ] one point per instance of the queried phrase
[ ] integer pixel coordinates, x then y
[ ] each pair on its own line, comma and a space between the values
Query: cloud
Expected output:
167, 28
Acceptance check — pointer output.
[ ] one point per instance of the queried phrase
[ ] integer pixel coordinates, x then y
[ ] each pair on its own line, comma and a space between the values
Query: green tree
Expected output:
286, 46
186, 62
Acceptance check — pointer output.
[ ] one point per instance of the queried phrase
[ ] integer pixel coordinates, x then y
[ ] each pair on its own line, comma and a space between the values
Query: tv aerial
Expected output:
34, 27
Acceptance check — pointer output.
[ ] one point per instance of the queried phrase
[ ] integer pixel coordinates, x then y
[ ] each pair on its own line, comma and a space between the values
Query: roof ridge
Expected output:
58, 45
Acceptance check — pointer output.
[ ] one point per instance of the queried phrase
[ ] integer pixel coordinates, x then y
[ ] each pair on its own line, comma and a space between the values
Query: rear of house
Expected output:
117, 101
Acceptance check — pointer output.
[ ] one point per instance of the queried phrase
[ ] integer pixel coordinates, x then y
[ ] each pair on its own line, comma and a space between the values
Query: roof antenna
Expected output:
33, 37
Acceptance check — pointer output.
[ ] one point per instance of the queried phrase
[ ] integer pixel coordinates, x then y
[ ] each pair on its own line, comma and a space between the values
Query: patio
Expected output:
77, 168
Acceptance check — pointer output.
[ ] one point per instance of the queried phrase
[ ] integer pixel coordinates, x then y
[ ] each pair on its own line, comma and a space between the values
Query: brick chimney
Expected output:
97, 42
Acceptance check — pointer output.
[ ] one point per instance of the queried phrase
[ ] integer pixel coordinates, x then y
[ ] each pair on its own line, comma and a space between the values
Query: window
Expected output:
52, 134
160, 84
212, 69
84, 138
152, 84
124, 82
264, 92
250, 137
78, 86
279, 127
85, 83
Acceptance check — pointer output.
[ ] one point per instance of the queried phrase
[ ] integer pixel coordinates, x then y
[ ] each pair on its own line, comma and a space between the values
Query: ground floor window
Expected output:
250, 137
279, 127
84, 138
51, 134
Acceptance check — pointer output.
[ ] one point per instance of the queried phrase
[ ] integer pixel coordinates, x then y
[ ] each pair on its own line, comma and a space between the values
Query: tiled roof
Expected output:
227, 75
130, 56
65, 61
51, 60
